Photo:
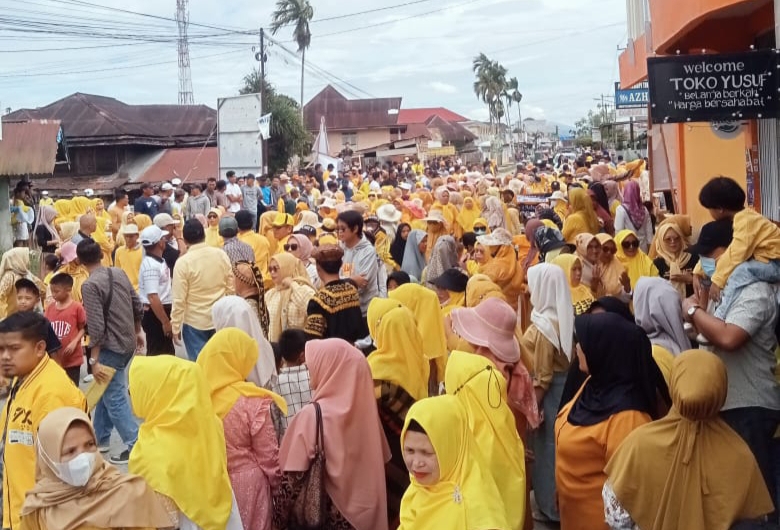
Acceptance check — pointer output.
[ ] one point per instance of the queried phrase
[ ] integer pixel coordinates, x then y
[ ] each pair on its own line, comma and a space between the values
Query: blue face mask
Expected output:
708, 266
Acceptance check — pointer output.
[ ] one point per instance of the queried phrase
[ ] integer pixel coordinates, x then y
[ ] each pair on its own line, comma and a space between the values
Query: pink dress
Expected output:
253, 460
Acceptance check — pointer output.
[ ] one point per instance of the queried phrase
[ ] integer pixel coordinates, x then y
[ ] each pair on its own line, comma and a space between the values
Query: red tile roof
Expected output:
344, 114
28, 147
422, 115
190, 164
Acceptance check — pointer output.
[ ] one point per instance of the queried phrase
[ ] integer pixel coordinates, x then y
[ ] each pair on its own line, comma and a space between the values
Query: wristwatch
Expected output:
692, 310
92, 361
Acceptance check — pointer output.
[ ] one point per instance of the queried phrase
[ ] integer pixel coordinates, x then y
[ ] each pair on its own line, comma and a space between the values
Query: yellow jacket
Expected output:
382, 246
260, 246
46, 388
129, 260
755, 236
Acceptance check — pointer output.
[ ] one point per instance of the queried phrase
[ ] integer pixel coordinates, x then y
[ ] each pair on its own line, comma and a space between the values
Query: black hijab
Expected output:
601, 195
398, 245
623, 374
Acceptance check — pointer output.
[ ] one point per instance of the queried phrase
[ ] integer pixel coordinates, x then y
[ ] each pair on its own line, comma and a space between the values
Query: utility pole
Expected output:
183, 45
261, 56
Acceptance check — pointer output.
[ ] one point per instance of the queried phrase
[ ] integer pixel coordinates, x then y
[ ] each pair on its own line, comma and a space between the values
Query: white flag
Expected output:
264, 126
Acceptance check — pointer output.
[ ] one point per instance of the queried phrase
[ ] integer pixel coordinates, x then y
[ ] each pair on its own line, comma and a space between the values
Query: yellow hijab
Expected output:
80, 205
213, 239
424, 305
582, 207
581, 295
64, 210
142, 221
676, 263
180, 450
468, 214
227, 359
466, 496
479, 288
455, 301
482, 389
696, 472
638, 266
610, 274
398, 357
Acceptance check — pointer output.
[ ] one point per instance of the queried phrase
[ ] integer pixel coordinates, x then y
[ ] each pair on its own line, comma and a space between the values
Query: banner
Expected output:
264, 126
718, 87
635, 97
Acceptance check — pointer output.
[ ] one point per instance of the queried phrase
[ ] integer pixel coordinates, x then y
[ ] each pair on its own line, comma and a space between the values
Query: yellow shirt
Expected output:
45, 389
755, 236
202, 276
260, 246
129, 260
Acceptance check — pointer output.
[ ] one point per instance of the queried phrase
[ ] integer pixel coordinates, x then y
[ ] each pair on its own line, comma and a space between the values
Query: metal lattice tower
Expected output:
185, 77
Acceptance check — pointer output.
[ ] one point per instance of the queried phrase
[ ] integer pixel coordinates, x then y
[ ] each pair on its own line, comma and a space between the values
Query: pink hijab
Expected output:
355, 445
304, 245
632, 202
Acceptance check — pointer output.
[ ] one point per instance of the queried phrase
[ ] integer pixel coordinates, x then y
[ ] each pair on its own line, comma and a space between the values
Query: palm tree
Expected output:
297, 13
490, 85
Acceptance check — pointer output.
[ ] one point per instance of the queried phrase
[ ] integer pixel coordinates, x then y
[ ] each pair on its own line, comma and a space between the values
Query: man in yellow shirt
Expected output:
283, 226
259, 243
129, 257
38, 386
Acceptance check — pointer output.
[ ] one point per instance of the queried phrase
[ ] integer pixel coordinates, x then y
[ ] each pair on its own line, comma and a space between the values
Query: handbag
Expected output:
308, 510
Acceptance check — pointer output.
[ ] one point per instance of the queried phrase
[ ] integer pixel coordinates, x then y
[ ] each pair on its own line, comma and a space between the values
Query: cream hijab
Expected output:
553, 311
235, 312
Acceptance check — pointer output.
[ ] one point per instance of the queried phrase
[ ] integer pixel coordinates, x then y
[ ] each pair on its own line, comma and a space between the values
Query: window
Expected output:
349, 138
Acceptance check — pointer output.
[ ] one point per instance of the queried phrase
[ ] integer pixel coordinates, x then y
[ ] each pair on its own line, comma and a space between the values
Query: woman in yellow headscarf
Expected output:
610, 277
673, 262
288, 299
581, 295
102, 234
80, 205
64, 210
424, 305
142, 221
467, 215
400, 373
635, 261
171, 397
503, 267
690, 462
267, 230
482, 390
213, 239
455, 489
582, 217
245, 410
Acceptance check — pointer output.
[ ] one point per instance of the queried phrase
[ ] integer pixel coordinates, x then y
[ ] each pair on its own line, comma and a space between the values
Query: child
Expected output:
69, 321
294, 376
28, 298
755, 236
50, 265
38, 386
451, 486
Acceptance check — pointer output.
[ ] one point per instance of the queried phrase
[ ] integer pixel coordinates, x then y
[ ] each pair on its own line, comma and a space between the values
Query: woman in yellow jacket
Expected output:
582, 218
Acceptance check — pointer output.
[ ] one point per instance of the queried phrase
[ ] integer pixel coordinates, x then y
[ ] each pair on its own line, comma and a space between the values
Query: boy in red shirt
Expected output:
69, 321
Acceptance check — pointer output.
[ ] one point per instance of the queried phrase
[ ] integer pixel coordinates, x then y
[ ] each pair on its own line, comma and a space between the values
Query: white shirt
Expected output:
235, 191
154, 277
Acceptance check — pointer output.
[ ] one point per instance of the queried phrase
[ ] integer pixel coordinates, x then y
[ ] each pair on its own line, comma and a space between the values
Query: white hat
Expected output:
163, 219
89, 192
176, 182
435, 216
329, 203
388, 213
166, 187
558, 196
44, 192
130, 230
151, 235
405, 186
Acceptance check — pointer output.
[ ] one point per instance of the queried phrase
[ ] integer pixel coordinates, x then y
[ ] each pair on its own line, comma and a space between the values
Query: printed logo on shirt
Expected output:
61, 328
20, 437
346, 270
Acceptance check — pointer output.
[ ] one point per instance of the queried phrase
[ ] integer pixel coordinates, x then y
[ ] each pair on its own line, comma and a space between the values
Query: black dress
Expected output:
42, 237
663, 270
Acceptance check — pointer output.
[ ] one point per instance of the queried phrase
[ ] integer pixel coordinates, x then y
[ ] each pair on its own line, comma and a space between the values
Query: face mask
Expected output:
76, 472
708, 266
480, 231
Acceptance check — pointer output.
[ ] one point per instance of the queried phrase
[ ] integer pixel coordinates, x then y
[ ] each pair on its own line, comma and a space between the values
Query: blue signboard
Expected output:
632, 98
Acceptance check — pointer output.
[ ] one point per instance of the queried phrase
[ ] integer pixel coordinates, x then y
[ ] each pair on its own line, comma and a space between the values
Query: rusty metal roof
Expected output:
349, 114
191, 164
99, 120
409, 116
64, 186
28, 147
449, 132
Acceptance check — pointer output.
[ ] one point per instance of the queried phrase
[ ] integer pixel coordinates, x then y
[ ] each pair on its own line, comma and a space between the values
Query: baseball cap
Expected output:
307, 230
151, 235
166, 187
163, 219
713, 235
176, 182
130, 230
228, 227
89, 192
283, 219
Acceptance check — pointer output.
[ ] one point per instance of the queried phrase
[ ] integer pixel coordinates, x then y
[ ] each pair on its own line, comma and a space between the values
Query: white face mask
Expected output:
76, 472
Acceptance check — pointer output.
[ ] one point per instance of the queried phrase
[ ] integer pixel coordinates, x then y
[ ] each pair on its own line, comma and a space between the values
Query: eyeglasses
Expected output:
341, 229
288, 248
630, 244
273, 269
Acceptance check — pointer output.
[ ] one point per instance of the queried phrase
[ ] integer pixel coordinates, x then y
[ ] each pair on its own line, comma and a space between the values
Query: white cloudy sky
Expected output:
563, 52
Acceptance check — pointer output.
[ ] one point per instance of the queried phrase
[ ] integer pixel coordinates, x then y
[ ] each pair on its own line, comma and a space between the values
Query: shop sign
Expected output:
722, 87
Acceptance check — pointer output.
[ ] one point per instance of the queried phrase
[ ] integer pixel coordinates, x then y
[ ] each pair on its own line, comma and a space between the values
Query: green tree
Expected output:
296, 13
289, 136
490, 86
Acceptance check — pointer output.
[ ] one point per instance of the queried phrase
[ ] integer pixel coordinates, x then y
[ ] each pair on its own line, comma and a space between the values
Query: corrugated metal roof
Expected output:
192, 164
344, 114
96, 120
448, 131
408, 116
63, 186
29, 147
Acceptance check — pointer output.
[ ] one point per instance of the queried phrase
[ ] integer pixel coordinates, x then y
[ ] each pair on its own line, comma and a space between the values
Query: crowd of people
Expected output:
416, 346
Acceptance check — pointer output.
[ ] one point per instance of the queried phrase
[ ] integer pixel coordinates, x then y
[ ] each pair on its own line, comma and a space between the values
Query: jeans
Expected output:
543, 443
194, 340
113, 409
757, 426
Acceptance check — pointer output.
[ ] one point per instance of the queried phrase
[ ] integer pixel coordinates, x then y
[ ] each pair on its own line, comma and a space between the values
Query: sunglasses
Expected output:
273, 268
609, 250
212, 216
288, 248
630, 244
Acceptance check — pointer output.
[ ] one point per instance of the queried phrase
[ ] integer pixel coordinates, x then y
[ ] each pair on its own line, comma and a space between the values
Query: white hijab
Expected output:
235, 312
551, 301
658, 311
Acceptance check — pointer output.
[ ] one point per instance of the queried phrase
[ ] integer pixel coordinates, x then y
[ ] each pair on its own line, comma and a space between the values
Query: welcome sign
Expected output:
718, 87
